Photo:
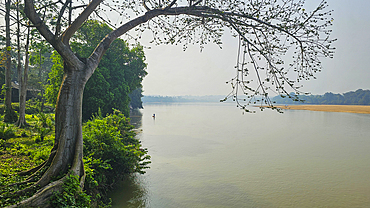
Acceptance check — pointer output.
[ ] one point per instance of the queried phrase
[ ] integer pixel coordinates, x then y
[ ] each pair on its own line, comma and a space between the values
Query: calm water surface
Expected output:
210, 155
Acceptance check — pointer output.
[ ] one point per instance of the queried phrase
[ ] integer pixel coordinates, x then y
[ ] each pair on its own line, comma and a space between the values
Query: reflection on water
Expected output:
131, 193
135, 118
206, 155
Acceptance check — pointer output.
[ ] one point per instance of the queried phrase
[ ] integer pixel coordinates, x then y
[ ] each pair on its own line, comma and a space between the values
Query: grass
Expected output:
19, 153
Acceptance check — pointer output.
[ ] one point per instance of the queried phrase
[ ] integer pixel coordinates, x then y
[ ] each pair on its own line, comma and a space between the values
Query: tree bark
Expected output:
68, 116
68, 147
23, 87
9, 113
22, 81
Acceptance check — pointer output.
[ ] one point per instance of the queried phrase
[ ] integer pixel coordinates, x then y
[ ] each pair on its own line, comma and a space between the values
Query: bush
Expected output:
111, 150
31, 106
71, 195
10, 116
6, 131
43, 127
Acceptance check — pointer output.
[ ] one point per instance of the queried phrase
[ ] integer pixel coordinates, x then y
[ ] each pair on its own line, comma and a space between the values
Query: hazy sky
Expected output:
174, 72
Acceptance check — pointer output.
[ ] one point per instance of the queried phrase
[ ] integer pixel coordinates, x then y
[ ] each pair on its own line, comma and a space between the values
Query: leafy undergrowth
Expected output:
111, 152
19, 152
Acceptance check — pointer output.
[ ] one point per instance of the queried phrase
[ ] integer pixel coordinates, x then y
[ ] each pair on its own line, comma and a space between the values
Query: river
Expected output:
211, 155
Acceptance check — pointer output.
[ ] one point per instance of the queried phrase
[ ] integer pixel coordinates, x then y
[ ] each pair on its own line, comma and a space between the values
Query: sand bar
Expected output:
330, 108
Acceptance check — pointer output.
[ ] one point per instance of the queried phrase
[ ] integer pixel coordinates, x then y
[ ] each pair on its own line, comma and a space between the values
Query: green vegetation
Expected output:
135, 96
111, 152
72, 194
119, 73
358, 97
19, 152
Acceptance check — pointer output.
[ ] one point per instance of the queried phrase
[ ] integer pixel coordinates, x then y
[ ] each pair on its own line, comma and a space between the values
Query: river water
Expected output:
210, 155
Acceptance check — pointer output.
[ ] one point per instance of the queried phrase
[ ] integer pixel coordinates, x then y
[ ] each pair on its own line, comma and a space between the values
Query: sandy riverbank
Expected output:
330, 108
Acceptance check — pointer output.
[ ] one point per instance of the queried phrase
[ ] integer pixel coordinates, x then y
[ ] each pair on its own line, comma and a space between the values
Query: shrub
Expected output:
111, 150
31, 106
10, 116
43, 127
6, 131
71, 196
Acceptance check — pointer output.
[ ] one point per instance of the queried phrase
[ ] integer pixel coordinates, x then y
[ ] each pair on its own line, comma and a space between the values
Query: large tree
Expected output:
267, 31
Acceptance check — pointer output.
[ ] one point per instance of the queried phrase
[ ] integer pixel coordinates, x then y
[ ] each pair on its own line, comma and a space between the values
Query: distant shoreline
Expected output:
364, 109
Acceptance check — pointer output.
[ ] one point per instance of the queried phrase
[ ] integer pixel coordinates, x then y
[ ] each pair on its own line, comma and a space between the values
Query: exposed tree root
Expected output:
19, 124
44, 185
41, 198
32, 170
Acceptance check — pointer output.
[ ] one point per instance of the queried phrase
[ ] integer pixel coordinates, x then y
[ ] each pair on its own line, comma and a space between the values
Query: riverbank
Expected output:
364, 109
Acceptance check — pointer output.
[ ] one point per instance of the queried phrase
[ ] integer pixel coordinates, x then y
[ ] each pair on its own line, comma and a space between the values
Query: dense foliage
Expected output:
135, 97
358, 97
111, 151
72, 195
55, 79
120, 72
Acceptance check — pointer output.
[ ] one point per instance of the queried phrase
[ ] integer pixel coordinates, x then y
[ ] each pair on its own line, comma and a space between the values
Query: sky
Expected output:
173, 72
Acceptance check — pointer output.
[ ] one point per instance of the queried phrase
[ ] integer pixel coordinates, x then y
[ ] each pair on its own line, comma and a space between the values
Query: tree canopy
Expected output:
119, 73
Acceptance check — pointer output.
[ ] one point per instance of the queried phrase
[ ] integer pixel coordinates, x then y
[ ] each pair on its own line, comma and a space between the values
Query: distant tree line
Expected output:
358, 97
181, 99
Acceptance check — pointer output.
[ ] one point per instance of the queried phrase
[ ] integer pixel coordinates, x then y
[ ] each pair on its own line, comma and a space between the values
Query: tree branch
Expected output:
145, 6
64, 50
68, 33
60, 18
198, 2
170, 5
30, 12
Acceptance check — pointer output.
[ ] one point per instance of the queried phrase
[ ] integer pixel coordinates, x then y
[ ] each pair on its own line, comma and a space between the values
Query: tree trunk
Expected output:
41, 83
68, 148
9, 113
23, 89
68, 120
22, 81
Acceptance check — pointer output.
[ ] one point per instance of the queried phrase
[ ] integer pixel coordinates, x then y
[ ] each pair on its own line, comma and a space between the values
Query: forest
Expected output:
358, 97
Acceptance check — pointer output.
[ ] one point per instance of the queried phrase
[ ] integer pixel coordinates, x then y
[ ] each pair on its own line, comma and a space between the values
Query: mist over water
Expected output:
210, 155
